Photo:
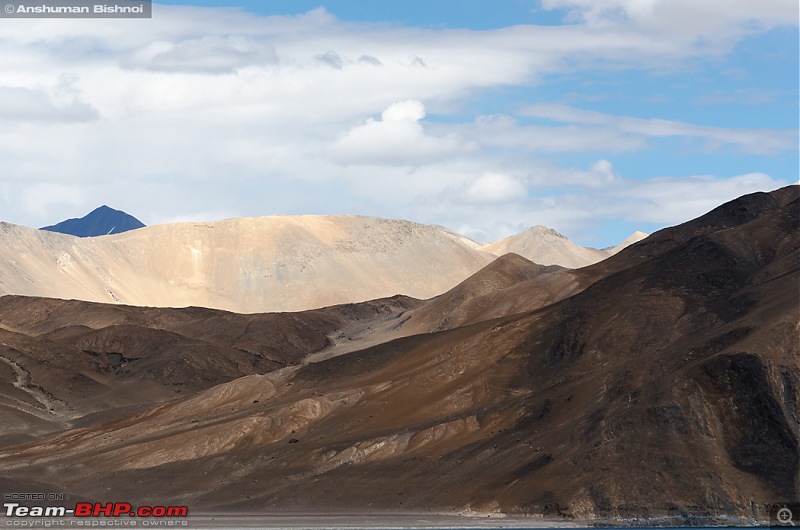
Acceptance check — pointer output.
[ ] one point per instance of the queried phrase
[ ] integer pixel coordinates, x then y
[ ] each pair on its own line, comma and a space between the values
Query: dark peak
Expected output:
513, 267
510, 259
787, 194
740, 211
105, 210
732, 214
99, 222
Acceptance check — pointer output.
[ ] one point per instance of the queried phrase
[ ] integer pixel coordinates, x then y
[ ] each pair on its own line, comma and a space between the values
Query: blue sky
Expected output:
436, 14
594, 117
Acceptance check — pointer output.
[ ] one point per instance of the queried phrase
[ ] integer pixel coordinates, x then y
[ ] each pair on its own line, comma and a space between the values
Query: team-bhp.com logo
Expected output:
97, 509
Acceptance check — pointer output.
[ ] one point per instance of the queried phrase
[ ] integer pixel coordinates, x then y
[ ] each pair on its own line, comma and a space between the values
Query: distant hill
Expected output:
99, 222
277, 263
545, 246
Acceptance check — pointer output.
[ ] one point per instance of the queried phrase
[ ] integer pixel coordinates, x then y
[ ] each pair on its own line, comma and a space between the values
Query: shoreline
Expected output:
376, 521
412, 520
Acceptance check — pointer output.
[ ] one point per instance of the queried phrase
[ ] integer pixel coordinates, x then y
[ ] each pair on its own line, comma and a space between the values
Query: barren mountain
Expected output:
511, 284
279, 263
665, 386
64, 359
243, 265
545, 246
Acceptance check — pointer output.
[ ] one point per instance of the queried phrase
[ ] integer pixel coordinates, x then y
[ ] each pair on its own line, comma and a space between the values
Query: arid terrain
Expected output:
663, 381
252, 265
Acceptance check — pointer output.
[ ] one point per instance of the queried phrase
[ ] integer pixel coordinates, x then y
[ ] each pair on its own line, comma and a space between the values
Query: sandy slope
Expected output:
545, 246
243, 265
277, 263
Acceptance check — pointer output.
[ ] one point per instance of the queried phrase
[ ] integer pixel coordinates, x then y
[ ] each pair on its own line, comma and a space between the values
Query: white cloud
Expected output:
21, 104
368, 59
719, 19
583, 212
220, 110
209, 55
740, 97
41, 197
505, 132
398, 138
669, 201
604, 170
758, 141
495, 187
404, 111
332, 59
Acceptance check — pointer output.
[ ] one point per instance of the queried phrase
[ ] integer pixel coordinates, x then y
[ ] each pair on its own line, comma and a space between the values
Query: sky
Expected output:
594, 117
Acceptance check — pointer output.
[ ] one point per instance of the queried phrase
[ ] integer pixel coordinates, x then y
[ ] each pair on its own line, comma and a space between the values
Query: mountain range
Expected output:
658, 385
249, 265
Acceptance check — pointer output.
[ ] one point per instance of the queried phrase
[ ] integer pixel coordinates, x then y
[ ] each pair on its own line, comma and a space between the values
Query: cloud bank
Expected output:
222, 112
